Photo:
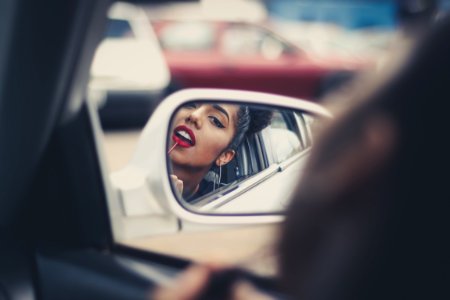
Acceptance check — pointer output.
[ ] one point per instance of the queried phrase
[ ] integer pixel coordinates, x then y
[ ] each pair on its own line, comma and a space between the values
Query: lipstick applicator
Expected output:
173, 147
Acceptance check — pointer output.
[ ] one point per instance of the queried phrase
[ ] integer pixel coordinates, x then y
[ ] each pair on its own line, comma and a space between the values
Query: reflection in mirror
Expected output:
225, 157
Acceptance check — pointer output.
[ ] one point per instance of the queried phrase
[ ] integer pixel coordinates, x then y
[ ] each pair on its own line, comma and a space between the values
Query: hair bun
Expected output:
259, 119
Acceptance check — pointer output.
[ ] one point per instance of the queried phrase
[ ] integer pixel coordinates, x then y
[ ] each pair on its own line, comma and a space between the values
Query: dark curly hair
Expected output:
249, 120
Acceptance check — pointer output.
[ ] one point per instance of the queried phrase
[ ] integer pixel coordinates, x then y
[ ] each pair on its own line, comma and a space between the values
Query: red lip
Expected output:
181, 140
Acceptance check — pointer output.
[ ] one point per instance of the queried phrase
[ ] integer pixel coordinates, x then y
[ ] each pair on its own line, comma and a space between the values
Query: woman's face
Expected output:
202, 132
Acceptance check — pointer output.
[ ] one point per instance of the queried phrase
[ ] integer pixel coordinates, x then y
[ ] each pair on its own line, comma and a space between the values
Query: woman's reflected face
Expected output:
201, 131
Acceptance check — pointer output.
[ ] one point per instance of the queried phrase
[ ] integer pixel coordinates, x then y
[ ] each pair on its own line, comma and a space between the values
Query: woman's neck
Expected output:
190, 178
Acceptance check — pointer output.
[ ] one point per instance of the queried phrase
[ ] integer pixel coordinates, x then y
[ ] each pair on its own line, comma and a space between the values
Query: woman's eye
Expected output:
216, 122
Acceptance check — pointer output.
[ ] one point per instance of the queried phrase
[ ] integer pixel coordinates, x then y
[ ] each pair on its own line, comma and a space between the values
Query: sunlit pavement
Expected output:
118, 147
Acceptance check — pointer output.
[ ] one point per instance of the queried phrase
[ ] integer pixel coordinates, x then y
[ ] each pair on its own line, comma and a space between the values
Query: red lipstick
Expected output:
183, 136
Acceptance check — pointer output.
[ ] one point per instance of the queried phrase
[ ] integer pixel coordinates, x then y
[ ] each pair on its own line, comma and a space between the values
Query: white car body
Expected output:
130, 63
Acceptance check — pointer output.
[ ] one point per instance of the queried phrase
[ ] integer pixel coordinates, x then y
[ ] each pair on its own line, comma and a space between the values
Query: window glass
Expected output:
240, 40
284, 138
271, 48
246, 40
119, 29
278, 121
313, 126
187, 36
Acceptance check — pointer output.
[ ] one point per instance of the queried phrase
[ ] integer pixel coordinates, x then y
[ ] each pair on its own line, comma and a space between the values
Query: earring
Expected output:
220, 175
217, 180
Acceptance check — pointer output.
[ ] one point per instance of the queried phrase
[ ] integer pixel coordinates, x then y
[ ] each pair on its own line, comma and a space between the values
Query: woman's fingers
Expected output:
177, 183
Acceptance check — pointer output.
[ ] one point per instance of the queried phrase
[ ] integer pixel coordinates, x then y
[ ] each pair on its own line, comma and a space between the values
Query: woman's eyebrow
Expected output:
222, 110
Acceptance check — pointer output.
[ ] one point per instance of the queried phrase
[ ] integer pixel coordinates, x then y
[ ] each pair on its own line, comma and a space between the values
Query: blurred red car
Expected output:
239, 55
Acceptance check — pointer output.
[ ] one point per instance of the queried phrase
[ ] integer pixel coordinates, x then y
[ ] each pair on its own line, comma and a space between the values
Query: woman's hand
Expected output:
178, 184
191, 284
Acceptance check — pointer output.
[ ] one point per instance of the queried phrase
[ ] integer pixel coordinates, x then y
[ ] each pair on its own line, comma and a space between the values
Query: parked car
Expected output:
129, 75
247, 56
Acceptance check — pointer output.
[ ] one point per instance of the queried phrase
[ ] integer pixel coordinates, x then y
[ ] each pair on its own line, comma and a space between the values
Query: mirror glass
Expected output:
226, 157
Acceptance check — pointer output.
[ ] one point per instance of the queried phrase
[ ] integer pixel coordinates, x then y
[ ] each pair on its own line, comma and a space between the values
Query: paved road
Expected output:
119, 147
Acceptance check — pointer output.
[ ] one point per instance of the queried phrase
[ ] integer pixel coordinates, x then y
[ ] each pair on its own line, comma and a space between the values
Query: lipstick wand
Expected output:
173, 147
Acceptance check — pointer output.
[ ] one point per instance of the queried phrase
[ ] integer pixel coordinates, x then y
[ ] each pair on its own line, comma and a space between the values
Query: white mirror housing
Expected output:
143, 184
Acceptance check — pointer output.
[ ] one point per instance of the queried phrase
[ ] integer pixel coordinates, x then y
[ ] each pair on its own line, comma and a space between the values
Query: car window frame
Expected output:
294, 124
229, 193
266, 167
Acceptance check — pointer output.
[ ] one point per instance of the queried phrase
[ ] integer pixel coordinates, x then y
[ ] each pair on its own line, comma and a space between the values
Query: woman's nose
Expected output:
195, 117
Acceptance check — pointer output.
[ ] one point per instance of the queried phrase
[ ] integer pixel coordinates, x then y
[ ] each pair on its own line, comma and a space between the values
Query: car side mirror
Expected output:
189, 165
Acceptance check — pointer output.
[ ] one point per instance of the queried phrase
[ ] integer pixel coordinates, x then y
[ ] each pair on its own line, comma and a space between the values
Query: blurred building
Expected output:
351, 14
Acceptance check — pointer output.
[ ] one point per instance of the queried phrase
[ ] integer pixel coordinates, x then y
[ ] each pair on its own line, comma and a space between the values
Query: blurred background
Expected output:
300, 48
